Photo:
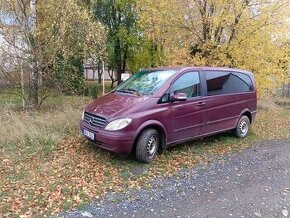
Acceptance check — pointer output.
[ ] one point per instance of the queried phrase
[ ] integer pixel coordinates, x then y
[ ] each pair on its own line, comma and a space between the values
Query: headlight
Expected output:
118, 124
83, 115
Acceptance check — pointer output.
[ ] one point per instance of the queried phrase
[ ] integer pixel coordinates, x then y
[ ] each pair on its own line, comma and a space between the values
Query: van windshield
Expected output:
145, 82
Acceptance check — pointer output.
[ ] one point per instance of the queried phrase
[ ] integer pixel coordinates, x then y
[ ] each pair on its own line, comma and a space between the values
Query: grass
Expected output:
47, 167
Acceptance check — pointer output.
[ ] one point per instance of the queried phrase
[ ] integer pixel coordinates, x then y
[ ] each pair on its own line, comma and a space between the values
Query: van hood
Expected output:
114, 104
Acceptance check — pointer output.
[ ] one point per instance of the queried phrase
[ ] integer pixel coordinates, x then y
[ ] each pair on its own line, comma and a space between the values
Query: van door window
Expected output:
188, 83
222, 82
218, 83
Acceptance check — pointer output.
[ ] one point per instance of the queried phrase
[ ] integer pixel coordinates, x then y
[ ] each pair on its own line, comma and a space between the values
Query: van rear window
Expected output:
222, 82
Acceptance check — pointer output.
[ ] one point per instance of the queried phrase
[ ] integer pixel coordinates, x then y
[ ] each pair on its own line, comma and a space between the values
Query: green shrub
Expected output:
69, 75
95, 91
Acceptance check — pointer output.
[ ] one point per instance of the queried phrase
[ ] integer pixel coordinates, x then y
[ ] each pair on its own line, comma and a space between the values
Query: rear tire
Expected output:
243, 126
147, 145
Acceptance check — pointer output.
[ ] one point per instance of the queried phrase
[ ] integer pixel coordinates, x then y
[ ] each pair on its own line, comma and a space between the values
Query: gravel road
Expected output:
251, 183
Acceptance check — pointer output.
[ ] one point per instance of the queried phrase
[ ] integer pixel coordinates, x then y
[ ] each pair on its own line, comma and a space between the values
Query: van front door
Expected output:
187, 116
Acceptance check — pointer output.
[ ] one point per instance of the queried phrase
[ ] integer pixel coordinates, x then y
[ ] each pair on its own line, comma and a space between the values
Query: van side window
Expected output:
244, 83
222, 82
188, 83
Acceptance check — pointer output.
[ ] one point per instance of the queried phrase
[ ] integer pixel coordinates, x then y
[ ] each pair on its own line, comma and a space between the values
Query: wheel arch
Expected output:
247, 113
154, 124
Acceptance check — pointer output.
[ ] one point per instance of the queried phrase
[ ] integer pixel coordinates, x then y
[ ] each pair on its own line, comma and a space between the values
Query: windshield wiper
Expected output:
129, 90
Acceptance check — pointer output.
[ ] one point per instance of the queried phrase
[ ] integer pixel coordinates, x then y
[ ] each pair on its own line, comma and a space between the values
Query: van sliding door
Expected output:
222, 108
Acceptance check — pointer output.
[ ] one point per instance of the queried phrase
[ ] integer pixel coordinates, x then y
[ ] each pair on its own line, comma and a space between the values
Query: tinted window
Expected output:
220, 82
244, 83
188, 83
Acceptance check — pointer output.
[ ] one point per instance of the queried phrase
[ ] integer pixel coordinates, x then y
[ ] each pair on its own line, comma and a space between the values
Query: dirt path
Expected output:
252, 183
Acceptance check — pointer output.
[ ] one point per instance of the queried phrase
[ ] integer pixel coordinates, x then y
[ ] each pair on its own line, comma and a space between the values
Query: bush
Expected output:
69, 76
95, 90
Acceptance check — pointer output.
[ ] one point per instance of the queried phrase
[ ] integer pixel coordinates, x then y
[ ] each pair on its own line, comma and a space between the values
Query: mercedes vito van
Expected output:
162, 107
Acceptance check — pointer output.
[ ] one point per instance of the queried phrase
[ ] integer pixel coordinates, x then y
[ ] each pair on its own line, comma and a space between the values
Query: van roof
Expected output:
181, 68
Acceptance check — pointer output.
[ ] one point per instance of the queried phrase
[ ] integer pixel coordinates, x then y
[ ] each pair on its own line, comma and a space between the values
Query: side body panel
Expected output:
188, 117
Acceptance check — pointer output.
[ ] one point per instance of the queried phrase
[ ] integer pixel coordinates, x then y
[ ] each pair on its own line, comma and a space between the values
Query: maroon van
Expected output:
162, 107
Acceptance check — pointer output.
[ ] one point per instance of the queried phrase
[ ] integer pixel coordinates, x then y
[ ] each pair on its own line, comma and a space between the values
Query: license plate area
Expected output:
88, 134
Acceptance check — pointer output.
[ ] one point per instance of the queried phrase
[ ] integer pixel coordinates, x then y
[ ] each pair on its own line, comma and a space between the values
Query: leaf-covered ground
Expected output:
73, 172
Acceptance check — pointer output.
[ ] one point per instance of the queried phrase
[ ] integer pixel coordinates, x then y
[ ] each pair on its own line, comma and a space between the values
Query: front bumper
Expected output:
116, 141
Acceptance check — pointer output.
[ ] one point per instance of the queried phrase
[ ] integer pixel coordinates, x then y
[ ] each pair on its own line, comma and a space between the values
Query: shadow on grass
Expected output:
220, 143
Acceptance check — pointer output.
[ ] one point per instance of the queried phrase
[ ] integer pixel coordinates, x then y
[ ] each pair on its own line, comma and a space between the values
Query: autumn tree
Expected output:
155, 24
119, 16
248, 34
74, 37
64, 35
18, 32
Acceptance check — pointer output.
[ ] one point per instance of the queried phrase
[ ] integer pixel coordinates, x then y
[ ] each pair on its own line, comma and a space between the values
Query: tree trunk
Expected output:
99, 73
34, 73
119, 76
111, 75
283, 89
118, 59
153, 50
124, 60
22, 85
33, 84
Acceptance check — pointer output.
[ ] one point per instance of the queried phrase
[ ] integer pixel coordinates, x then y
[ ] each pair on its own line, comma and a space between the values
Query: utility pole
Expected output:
103, 77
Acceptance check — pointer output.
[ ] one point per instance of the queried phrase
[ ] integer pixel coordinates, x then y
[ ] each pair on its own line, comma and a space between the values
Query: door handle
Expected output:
200, 104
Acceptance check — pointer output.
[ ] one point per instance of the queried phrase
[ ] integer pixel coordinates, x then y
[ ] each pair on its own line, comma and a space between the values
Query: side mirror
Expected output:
179, 97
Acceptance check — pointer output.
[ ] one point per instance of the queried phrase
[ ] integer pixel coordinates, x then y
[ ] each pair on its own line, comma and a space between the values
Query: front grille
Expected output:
94, 120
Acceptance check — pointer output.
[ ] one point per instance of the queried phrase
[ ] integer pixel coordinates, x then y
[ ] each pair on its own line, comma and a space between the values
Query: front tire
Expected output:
243, 126
147, 145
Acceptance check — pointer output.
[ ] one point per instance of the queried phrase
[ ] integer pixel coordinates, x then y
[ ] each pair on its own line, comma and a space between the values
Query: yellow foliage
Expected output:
247, 34
63, 27
70, 31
